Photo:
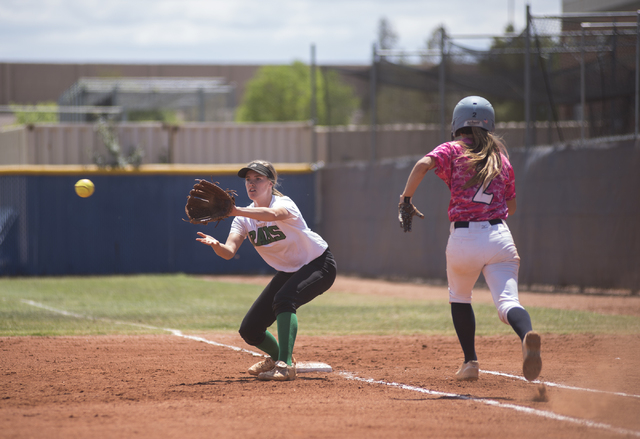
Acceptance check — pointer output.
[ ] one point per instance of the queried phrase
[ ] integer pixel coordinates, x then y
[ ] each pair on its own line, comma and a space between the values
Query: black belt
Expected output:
465, 224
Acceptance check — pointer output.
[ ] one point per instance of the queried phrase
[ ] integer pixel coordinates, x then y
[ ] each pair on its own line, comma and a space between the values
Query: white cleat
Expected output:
263, 366
468, 371
281, 372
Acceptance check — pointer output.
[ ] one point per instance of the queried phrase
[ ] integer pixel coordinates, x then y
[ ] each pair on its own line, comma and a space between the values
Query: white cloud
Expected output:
251, 31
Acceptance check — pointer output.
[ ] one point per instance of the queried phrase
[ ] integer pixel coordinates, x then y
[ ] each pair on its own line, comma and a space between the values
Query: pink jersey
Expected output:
474, 203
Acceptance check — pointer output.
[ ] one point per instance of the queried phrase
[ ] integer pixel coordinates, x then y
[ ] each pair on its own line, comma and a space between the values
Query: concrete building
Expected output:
599, 5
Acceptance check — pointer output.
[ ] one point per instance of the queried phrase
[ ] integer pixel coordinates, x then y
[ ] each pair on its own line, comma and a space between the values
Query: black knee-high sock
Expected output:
464, 321
520, 321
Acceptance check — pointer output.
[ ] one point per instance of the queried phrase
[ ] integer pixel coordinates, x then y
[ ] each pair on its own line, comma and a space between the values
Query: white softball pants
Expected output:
487, 249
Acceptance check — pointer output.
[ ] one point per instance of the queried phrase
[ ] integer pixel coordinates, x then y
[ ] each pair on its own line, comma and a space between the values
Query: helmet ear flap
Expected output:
473, 111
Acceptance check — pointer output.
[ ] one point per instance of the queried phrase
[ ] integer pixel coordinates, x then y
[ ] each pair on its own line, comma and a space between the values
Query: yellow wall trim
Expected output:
151, 169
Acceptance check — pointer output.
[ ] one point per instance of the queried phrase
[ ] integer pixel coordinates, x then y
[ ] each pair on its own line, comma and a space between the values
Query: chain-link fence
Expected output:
561, 71
586, 68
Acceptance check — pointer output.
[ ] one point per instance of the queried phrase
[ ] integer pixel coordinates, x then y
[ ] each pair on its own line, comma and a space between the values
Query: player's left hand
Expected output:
406, 212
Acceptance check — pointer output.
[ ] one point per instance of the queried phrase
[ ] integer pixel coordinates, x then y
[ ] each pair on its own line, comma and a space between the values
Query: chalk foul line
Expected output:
140, 325
301, 366
560, 386
351, 376
493, 403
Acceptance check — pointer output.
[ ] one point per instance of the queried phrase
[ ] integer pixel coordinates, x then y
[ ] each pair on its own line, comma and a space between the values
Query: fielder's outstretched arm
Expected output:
228, 249
262, 213
418, 172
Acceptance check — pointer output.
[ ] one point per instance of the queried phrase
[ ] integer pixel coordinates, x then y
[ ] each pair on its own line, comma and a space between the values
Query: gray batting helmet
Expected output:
473, 111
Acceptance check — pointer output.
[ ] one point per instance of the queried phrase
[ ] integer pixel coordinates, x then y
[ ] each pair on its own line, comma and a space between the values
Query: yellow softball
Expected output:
84, 188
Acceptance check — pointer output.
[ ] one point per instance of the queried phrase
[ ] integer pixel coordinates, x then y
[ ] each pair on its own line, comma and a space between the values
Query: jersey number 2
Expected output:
481, 196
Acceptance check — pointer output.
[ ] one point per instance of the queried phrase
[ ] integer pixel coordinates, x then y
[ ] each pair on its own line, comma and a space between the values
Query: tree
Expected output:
387, 36
44, 112
283, 93
436, 42
118, 160
404, 105
167, 116
509, 68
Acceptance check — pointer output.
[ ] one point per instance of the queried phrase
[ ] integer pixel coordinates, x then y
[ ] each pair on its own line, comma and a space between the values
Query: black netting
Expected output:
573, 61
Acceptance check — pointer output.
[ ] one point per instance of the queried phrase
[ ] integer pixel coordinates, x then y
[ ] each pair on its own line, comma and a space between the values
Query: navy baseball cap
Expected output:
257, 167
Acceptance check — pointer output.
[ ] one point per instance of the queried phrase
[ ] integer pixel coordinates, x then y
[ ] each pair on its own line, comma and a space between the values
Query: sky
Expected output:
239, 31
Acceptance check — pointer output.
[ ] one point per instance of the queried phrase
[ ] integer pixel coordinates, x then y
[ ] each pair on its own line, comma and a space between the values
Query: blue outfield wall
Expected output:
133, 223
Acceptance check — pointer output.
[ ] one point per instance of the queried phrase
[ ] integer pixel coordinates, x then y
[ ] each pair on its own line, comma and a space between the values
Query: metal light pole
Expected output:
637, 121
373, 87
583, 88
314, 107
441, 85
527, 81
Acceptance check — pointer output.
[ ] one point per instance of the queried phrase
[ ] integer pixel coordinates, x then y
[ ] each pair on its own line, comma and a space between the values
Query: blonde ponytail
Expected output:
484, 156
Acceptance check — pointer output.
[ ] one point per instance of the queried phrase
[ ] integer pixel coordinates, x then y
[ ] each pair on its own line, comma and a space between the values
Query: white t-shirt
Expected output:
284, 245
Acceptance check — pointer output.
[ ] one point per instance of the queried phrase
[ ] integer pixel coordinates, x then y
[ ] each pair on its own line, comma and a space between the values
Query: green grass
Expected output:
116, 304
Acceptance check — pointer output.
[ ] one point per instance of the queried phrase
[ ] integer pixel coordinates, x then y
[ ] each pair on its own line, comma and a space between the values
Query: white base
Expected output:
312, 366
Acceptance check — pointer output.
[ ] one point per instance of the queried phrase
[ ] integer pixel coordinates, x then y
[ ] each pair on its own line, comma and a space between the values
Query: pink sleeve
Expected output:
442, 157
510, 184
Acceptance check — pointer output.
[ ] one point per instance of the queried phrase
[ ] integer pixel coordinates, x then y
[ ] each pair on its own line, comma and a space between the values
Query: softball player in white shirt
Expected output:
305, 267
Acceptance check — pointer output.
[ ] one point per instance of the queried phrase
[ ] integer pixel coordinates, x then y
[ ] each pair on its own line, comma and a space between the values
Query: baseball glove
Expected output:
209, 202
406, 212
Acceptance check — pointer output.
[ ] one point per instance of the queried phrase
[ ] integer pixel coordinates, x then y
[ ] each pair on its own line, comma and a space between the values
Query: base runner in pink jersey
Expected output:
476, 168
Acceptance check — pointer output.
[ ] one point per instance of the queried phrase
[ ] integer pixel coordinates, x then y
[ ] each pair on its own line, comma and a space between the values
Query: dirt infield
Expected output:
167, 386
